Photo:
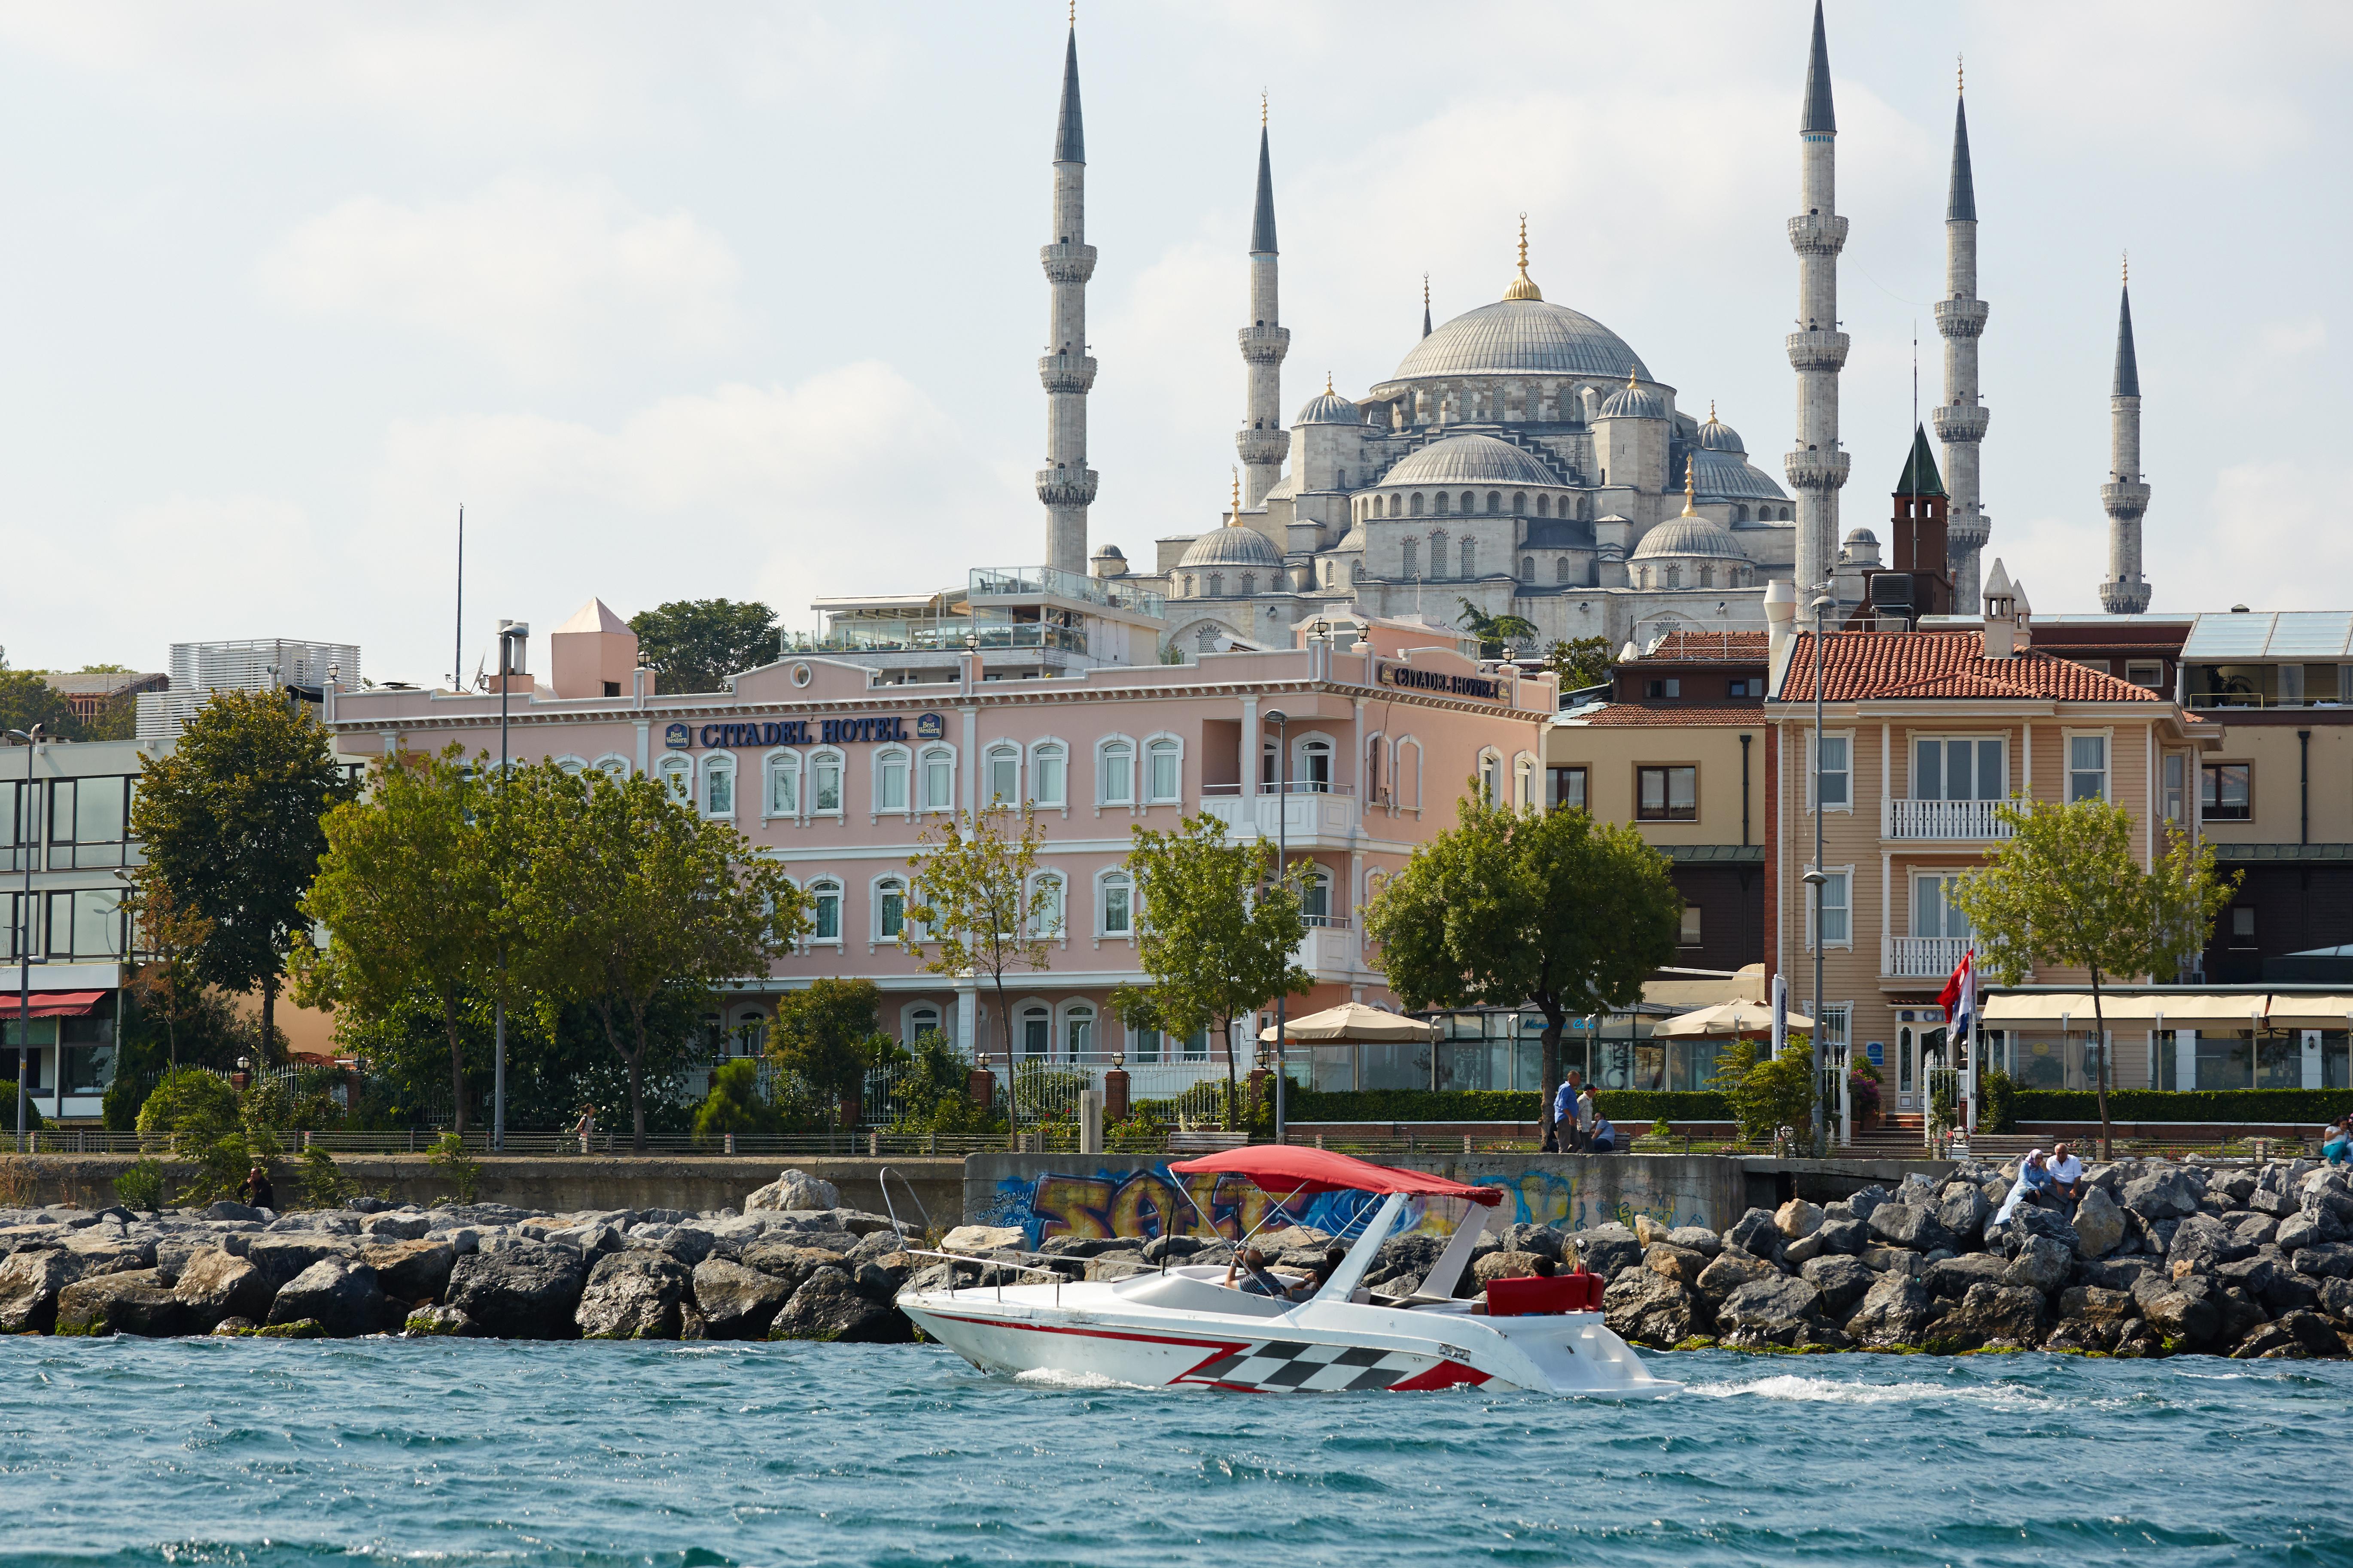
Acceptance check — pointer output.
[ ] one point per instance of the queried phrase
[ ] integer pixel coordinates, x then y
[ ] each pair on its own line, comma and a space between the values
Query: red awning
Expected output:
52, 1004
1283, 1168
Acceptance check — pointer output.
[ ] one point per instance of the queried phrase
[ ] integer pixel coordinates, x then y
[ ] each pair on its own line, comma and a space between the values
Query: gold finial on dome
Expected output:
1261, 99
2128, 266
1691, 478
1524, 287
1710, 411
1630, 378
1328, 385
1234, 518
1961, 75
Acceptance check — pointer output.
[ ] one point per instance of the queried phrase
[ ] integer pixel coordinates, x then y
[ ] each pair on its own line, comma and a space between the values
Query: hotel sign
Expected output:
1405, 678
864, 729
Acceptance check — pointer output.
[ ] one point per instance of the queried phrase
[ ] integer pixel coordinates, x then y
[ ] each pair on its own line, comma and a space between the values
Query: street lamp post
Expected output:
22, 928
1818, 877
510, 634
1282, 722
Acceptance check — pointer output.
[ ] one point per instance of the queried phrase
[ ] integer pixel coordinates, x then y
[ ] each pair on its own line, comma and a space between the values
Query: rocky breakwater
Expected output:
2157, 1259
792, 1264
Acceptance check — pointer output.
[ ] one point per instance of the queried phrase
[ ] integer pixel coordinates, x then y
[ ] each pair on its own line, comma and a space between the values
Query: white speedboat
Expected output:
1184, 1326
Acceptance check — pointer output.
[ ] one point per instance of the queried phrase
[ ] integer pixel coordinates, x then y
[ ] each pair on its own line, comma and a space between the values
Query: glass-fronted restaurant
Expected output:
1502, 1048
2174, 1037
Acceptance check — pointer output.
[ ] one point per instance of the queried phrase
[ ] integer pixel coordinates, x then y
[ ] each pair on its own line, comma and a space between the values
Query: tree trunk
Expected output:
2100, 1055
638, 1084
1550, 1075
268, 1020
1233, 1086
456, 1064
1012, 1100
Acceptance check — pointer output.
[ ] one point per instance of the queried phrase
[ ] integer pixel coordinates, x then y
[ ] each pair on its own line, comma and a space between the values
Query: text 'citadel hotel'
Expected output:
1521, 455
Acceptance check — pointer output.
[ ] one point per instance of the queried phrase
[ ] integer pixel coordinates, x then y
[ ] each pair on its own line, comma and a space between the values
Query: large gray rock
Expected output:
125, 1301
340, 1296
2099, 1224
1697, 1238
1647, 1308
2188, 1314
1912, 1226
1798, 1218
526, 1292
2090, 1303
1847, 1235
2170, 1193
2336, 1300
738, 1302
1732, 1269
282, 1256
2294, 1336
2201, 1241
411, 1272
1776, 1311
830, 1307
103, 1249
2026, 1222
632, 1295
2324, 1261
1950, 1278
1990, 1315
1895, 1311
217, 1283
395, 1226
1862, 1202
2271, 1280
2042, 1264
2309, 1227
2252, 1228
794, 1189
1754, 1233
29, 1282
1604, 1249
1841, 1281
441, 1322
1680, 1264
1963, 1211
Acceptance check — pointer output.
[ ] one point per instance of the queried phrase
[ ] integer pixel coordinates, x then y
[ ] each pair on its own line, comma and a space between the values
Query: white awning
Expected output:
2141, 1009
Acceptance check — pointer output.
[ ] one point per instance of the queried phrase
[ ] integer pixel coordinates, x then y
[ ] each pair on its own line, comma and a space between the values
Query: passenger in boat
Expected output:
1317, 1277
1257, 1279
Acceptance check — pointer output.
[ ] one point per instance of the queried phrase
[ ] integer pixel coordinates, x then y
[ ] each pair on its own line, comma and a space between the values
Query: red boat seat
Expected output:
1539, 1296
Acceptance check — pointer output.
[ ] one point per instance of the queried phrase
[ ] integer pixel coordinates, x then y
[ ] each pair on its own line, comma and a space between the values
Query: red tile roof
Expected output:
1691, 648
1858, 666
1670, 715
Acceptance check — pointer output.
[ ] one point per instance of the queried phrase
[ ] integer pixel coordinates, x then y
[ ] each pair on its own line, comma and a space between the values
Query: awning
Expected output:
1280, 1169
52, 1004
2183, 1009
1351, 1022
2308, 1012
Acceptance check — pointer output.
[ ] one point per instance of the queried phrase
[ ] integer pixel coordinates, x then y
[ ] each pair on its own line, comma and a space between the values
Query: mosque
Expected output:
1522, 456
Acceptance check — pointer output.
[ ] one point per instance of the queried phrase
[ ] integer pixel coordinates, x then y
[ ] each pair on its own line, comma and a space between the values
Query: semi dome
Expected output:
1690, 536
1520, 337
1232, 546
1632, 402
1730, 476
1469, 460
1328, 407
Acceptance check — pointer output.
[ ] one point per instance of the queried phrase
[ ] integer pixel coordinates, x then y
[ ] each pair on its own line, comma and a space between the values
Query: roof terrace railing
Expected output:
1026, 582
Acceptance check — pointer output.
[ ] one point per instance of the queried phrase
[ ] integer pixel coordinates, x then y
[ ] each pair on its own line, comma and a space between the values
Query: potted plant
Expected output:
1862, 1095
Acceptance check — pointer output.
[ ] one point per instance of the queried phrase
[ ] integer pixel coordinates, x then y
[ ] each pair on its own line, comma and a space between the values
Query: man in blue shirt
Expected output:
1564, 1115
1257, 1279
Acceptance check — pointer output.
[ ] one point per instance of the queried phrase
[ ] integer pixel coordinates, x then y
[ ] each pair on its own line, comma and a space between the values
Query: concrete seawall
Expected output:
557, 1185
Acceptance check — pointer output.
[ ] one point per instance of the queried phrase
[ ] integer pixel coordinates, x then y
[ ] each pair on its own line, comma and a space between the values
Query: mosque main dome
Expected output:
1520, 337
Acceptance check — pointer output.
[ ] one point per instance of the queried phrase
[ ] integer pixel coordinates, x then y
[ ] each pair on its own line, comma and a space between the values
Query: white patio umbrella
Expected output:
1351, 1022
1726, 1018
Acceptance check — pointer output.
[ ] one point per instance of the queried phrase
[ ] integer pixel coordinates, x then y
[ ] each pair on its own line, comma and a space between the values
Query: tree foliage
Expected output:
409, 891
625, 898
232, 823
2066, 889
1508, 907
27, 699
1214, 931
693, 645
826, 1035
1497, 635
1579, 662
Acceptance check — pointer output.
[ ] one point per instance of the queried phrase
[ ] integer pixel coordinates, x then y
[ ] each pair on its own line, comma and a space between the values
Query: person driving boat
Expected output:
1257, 1279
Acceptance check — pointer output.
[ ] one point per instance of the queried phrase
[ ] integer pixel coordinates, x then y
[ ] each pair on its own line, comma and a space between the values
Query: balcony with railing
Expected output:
1031, 582
1302, 816
1949, 821
1922, 957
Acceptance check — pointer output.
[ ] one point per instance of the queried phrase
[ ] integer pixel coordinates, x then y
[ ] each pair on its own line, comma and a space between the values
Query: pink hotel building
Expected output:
835, 759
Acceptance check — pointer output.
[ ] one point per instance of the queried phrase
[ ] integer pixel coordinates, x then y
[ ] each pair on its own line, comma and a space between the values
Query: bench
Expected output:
1206, 1142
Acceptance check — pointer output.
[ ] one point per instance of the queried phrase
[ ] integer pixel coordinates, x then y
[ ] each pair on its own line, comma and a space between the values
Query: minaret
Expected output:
1960, 420
2125, 497
1066, 485
1817, 467
1262, 441
1425, 304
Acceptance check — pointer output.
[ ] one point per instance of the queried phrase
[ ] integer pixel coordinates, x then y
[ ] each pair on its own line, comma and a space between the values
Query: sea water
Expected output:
457, 1452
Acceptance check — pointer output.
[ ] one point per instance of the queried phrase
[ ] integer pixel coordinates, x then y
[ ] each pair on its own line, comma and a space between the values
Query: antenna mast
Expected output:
458, 656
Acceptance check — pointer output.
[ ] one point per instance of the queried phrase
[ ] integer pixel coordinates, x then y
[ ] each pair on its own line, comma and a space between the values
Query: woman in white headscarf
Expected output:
2033, 1176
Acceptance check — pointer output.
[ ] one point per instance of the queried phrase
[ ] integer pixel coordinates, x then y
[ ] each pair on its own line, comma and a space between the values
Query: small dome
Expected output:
1469, 460
1690, 536
1232, 546
1861, 536
1730, 476
1352, 539
1634, 402
1716, 435
1328, 407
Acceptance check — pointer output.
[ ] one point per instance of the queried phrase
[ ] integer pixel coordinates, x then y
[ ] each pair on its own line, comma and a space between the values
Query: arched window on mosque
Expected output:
1674, 576
1413, 557
1249, 584
1470, 558
1527, 568
1519, 502
1438, 552
1217, 585
1495, 501
1443, 500
1417, 503
1466, 500
1560, 570
1544, 506
1739, 513
1706, 576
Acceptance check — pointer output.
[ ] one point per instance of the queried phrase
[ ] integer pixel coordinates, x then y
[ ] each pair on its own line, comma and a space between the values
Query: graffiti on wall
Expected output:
1156, 1202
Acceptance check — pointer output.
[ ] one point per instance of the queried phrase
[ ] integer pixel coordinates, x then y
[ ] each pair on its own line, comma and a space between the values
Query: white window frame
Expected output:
1106, 767
1105, 880
2067, 769
1806, 897
675, 771
1806, 740
935, 754
1068, 1013
1692, 932
1039, 751
570, 766
909, 1029
876, 891
1523, 770
819, 887
1913, 876
991, 755
1059, 930
614, 765
879, 763
1155, 748
1912, 739
1490, 777
1021, 1012
787, 760
818, 760
1397, 790
718, 765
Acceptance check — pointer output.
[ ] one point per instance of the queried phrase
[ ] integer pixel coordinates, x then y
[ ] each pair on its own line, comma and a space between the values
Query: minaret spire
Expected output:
1066, 485
1960, 419
1816, 467
1262, 441
2125, 497
1425, 304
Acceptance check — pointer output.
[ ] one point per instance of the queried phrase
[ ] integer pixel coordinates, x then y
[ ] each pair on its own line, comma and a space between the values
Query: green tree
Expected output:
231, 821
2066, 889
695, 644
1579, 662
736, 1103
977, 907
408, 894
1214, 931
1496, 633
172, 935
27, 699
1767, 1092
117, 719
825, 1035
622, 899
1509, 908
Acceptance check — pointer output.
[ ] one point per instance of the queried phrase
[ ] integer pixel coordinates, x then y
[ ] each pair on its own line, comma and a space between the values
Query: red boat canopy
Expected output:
1287, 1168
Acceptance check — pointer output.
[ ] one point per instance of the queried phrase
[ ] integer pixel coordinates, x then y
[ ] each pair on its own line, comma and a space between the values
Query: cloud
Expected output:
545, 276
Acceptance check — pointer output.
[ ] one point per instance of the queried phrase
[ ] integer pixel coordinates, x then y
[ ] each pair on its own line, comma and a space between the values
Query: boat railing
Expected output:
953, 1258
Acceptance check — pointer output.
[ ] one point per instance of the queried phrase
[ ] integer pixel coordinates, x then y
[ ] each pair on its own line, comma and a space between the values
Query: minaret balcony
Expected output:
1066, 486
1960, 318
2124, 501
1259, 447
1067, 373
1818, 351
1816, 470
1968, 529
1960, 421
1067, 263
1815, 235
1264, 346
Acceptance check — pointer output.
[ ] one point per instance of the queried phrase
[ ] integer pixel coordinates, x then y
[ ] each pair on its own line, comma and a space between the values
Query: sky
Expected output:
742, 300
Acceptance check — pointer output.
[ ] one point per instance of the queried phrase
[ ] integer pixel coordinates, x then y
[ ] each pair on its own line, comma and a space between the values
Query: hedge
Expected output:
2227, 1106
1629, 1107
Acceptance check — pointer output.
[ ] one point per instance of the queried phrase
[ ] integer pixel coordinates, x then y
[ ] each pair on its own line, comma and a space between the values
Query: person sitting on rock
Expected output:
1257, 1279
2336, 1142
2066, 1174
2033, 1180
257, 1192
